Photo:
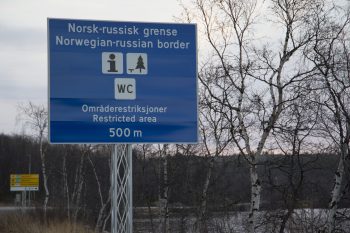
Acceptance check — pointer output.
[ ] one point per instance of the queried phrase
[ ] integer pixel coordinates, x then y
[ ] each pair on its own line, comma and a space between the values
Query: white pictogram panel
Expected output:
112, 63
125, 88
137, 63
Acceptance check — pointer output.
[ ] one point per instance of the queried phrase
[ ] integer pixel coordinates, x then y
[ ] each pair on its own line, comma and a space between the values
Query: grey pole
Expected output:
121, 181
30, 172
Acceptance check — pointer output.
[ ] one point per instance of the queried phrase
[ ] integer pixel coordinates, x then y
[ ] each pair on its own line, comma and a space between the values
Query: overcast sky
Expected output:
23, 47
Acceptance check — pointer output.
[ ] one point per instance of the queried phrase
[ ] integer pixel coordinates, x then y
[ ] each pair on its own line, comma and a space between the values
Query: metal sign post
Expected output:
121, 181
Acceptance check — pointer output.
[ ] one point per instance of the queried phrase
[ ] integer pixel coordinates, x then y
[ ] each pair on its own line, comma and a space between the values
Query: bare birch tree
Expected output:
330, 54
252, 77
104, 201
146, 150
65, 188
293, 135
35, 116
215, 142
164, 192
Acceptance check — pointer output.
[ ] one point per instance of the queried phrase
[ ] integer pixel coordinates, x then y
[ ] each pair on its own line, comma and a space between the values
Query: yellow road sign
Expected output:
23, 182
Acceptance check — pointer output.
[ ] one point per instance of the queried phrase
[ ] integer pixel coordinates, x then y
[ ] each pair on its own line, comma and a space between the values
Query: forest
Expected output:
78, 179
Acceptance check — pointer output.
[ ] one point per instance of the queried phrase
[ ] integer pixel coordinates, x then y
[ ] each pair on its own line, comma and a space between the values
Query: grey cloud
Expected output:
22, 38
12, 91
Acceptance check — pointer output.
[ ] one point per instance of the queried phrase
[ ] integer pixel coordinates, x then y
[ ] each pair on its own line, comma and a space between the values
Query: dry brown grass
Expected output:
21, 223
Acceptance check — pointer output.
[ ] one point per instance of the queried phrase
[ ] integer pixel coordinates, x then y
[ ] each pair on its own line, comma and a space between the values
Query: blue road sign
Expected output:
122, 82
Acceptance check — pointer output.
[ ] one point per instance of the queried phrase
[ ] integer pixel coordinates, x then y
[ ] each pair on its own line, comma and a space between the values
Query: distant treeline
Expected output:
68, 165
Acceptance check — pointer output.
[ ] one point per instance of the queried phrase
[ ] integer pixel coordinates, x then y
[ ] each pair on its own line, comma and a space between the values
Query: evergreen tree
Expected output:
140, 65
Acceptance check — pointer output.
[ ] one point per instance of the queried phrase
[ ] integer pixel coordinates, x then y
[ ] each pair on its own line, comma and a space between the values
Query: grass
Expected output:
24, 223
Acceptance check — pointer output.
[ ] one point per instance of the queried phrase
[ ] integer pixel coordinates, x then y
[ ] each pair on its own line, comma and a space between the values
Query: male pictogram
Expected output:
112, 63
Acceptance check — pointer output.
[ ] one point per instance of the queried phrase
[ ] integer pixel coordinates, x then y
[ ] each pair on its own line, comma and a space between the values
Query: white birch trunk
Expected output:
104, 204
255, 197
43, 168
65, 186
101, 217
165, 195
105, 221
336, 192
203, 207
78, 190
